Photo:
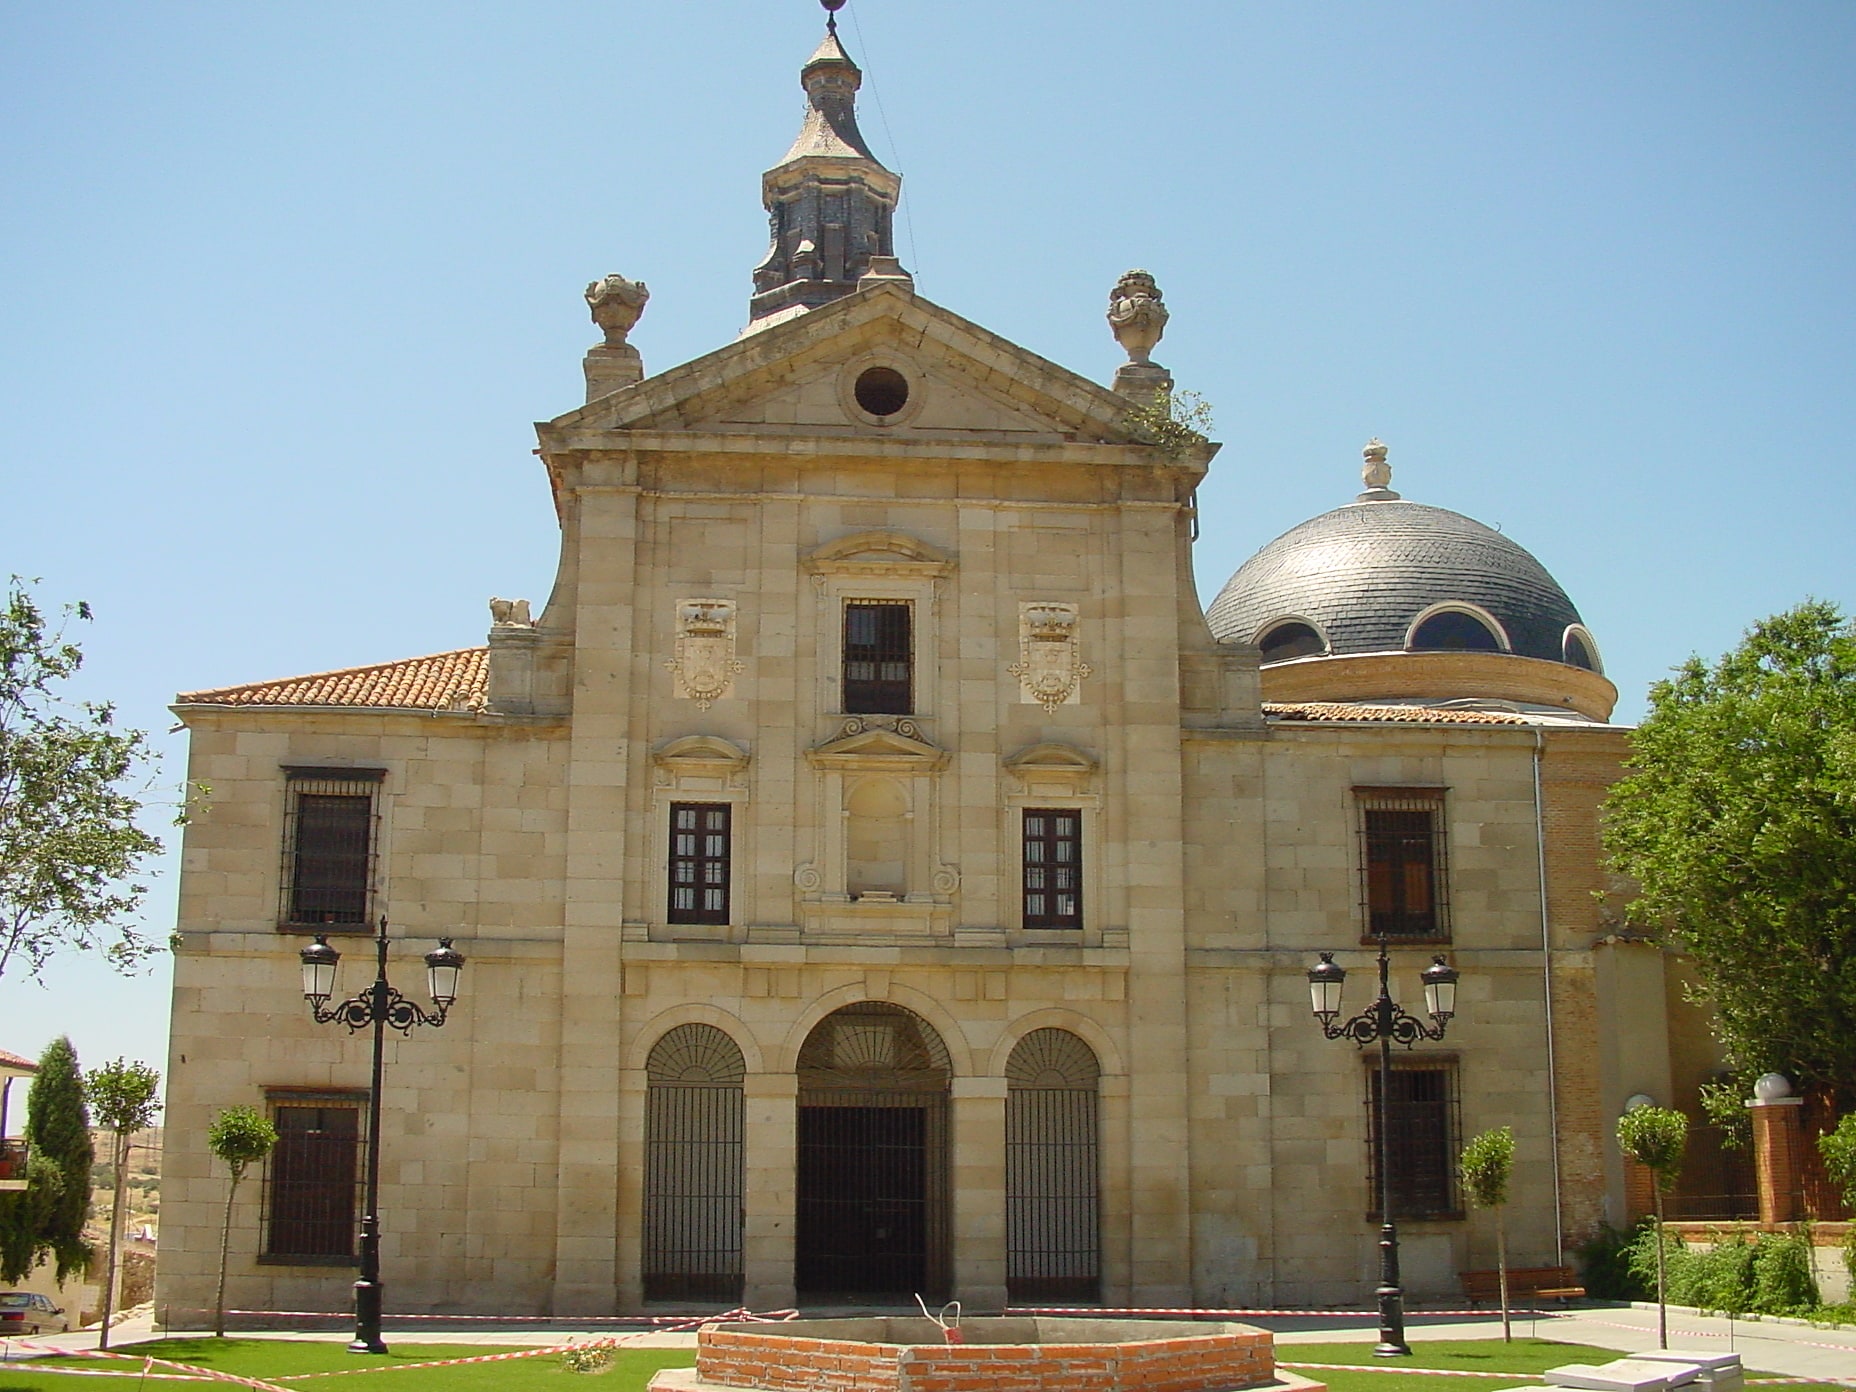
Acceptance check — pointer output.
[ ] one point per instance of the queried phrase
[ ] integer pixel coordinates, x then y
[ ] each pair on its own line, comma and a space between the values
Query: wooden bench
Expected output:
1524, 1283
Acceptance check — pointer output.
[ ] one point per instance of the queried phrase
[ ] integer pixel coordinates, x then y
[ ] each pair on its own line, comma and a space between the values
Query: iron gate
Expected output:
1052, 1185
872, 1156
693, 1167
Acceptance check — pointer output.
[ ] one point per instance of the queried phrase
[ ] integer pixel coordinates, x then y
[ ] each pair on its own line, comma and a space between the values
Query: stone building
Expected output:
877, 872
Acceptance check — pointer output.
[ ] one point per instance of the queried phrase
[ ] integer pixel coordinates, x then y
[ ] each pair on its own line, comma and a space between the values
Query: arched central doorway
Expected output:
872, 1157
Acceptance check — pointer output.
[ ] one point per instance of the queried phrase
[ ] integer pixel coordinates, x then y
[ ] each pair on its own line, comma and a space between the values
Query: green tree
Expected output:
48, 1218
1838, 1148
1738, 823
123, 1095
1486, 1163
69, 844
1656, 1137
239, 1136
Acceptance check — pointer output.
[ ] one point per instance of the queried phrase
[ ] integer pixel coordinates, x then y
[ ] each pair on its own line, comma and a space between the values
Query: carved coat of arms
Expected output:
1049, 669
705, 663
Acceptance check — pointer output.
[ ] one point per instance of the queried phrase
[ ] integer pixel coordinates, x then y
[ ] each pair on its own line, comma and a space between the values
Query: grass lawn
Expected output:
278, 1359
1525, 1358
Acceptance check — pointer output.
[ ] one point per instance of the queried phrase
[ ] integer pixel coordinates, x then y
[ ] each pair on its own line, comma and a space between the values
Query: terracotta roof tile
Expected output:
1414, 715
8, 1059
442, 682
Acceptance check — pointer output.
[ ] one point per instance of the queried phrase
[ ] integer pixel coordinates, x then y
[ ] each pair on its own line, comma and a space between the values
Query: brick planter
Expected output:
1010, 1354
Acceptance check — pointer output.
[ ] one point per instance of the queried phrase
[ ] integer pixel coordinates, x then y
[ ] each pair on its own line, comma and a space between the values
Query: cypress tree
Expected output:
58, 1129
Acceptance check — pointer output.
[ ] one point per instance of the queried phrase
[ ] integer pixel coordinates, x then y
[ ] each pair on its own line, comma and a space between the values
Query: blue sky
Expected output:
288, 284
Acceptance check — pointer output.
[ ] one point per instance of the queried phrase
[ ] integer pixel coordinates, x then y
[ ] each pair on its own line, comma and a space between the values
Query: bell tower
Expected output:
830, 205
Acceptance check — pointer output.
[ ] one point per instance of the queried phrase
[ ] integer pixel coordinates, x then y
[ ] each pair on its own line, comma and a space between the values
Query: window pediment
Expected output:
879, 553
701, 754
861, 745
1052, 765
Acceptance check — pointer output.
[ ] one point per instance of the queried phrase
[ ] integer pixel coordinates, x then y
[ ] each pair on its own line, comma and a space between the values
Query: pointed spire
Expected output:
830, 203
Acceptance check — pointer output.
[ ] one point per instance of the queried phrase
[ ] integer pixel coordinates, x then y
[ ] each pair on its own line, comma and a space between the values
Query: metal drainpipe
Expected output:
1546, 976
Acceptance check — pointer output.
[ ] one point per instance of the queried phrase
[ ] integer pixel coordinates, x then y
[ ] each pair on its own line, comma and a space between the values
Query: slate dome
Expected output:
1362, 575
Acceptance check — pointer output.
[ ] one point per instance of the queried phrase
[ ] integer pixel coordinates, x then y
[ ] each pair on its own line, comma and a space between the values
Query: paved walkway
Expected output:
1784, 1347
1792, 1349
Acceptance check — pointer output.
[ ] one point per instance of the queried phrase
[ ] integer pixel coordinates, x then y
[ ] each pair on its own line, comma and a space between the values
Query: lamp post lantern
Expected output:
1384, 1022
378, 1005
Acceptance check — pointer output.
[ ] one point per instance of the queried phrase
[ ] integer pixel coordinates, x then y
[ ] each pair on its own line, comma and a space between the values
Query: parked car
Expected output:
25, 1312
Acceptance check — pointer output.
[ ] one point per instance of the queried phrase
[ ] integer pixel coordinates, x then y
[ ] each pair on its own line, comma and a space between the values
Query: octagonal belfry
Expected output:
1026, 1354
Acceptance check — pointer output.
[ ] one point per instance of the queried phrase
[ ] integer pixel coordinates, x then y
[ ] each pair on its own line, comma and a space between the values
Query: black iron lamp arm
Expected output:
1385, 1019
388, 1006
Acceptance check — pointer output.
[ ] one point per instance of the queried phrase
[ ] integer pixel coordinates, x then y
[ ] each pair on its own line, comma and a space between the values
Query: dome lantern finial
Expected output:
1375, 473
830, 204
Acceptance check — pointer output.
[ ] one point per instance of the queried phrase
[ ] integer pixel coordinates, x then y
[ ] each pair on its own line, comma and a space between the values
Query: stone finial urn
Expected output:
616, 304
1136, 315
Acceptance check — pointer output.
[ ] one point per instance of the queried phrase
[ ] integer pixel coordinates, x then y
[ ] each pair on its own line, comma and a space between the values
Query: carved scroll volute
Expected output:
1050, 670
705, 664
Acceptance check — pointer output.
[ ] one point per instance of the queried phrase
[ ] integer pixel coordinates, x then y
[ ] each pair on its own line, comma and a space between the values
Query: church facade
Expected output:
878, 875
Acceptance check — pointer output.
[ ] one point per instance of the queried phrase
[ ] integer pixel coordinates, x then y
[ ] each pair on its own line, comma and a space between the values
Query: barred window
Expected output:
1423, 1125
699, 862
1053, 867
310, 1190
1402, 862
329, 846
879, 658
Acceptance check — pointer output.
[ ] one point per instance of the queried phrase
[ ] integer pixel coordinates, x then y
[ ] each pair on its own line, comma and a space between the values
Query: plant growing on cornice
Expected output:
1176, 422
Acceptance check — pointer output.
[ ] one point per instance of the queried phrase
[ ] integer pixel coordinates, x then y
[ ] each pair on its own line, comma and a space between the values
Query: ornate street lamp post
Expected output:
379, 1005
1384, 1021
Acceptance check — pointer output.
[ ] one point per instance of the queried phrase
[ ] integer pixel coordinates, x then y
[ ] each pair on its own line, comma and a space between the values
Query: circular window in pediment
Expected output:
882, 391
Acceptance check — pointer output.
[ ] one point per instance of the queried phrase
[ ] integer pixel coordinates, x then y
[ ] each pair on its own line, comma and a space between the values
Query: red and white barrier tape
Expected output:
1392, 1368
189, 1373
1182, 1312
1740, 1331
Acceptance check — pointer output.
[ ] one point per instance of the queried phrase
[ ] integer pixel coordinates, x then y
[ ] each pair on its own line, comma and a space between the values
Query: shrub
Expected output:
1722, 1279
1605, 1264
588, 1358
1783, 1281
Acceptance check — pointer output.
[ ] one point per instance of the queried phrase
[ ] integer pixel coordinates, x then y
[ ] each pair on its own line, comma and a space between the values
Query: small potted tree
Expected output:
123, 1100
239, 1136
1655, 1138
1486, 1163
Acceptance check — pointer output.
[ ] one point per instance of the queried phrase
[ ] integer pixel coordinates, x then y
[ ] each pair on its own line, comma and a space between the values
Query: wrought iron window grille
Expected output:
310, 1201
879, 658
1424, 1128
1404, 870
331, 835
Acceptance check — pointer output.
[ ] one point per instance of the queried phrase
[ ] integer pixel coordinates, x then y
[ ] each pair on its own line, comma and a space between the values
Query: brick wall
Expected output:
1209, 1363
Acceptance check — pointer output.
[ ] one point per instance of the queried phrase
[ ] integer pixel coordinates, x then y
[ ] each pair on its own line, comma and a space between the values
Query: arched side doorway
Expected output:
872, 1156
1053, 1222
693, 1167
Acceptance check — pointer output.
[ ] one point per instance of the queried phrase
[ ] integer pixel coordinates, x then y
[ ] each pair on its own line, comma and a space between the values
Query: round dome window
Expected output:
882, 391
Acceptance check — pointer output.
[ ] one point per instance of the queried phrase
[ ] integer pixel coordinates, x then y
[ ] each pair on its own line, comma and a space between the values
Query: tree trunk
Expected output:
1662, 1282
1501, 1270
225, 1245
110, 1262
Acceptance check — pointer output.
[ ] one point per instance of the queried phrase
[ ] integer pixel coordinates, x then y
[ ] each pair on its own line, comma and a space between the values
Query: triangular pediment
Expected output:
860, 746
799, 377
